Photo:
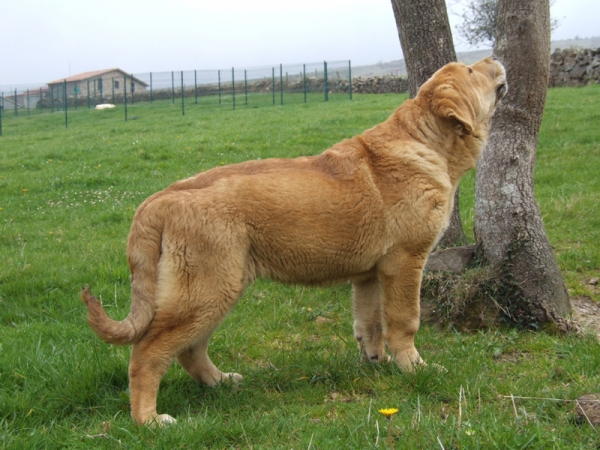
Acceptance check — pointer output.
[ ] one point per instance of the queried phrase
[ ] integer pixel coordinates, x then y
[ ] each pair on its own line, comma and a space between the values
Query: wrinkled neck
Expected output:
447, 144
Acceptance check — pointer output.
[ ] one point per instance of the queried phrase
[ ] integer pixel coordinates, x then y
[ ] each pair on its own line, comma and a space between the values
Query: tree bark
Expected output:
508, 224
425, 38
426, 41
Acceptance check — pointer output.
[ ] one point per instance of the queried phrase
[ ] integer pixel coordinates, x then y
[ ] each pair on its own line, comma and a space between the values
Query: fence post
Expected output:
281, 83
304, 80
350, 76
41, 102
88, 95
77, 95
28, 113
233, 86
273, 76
132, 88
246, 87
150, 87
65, 100
219, 75
2, 111
112, 82
172, 87
15, 102
125, 94
182, 96
325, 82
196, 87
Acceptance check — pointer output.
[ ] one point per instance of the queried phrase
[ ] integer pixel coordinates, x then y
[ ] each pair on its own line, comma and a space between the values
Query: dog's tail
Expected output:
143, 252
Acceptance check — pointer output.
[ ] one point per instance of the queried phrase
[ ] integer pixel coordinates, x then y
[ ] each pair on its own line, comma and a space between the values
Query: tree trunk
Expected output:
425, 37
426, 40
508, 224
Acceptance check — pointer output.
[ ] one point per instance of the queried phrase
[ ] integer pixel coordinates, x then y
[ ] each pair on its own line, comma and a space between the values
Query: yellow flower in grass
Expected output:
388, 412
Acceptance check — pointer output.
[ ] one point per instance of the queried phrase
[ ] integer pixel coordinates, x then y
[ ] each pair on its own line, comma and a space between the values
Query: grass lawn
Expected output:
67, 197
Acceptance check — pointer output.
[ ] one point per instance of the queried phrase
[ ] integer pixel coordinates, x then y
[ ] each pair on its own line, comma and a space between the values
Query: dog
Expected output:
366, 211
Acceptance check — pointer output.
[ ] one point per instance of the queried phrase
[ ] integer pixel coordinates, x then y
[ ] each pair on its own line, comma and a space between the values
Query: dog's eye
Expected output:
501, 90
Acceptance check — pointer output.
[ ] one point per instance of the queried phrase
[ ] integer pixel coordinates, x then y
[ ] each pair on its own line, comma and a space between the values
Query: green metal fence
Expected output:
231, 88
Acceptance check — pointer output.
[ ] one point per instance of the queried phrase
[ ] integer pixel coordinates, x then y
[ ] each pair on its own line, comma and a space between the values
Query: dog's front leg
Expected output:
401, 283
367, 320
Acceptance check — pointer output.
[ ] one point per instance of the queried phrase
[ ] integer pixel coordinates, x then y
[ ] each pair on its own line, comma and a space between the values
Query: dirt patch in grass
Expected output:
586, 312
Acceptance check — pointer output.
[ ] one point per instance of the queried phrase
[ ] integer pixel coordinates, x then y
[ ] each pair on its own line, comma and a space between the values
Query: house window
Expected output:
116, 84
100, 84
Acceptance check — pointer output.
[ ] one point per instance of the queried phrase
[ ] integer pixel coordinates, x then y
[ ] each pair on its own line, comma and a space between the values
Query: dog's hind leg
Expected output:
368, 320
215, 297
150, 359
172, 331
179, 333
196, 362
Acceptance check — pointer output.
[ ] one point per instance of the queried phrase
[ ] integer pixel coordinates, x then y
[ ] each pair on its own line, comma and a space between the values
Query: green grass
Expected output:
67, 197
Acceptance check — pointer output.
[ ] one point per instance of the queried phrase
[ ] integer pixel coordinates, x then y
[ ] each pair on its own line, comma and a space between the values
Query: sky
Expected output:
45, 40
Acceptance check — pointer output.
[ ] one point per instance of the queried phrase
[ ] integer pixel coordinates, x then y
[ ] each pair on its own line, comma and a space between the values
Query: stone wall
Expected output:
360, 85
568, 67
379, 85
571, 67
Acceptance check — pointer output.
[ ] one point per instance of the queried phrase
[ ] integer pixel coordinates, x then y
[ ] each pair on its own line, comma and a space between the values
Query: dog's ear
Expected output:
447, 103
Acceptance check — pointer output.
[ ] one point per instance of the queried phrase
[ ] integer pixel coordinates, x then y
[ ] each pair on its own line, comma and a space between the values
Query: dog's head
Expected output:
466, 96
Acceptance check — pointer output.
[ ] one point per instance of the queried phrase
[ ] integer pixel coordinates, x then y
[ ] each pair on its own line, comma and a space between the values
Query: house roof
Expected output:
31, 92
94, 74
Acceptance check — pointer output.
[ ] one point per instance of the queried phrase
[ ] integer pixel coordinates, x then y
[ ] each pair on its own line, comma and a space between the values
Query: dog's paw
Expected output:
225, 377
161, 420
374, 355
380, 359
375, 359
234, 378
409, 365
